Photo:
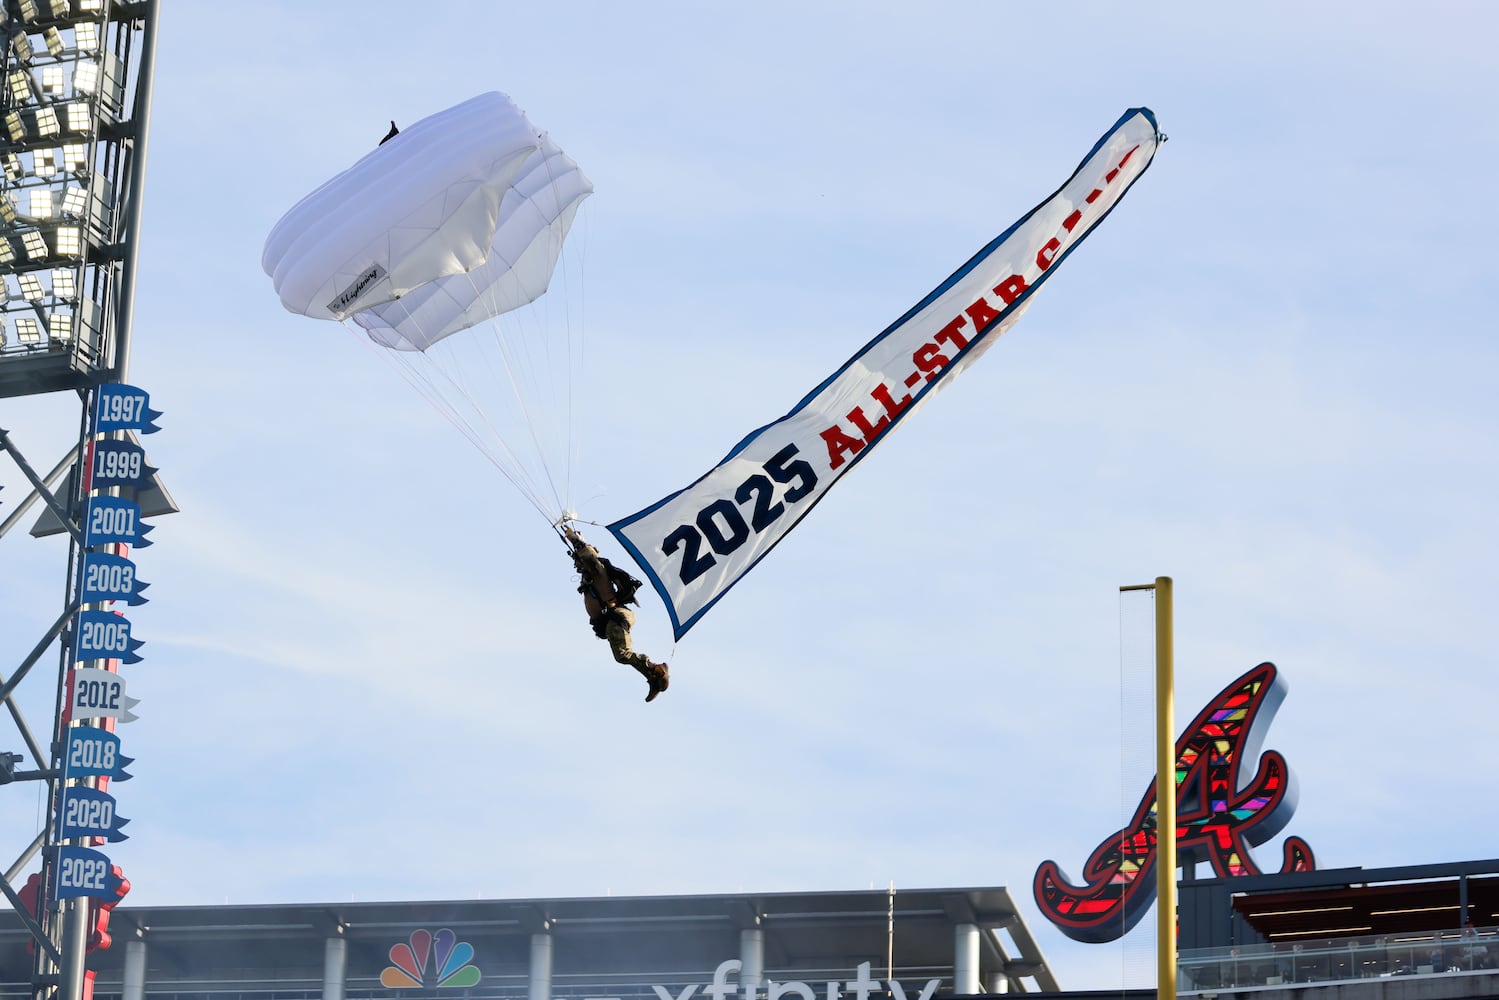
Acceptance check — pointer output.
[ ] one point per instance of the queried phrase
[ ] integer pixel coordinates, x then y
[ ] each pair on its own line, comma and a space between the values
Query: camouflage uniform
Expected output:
606, 589
617, 624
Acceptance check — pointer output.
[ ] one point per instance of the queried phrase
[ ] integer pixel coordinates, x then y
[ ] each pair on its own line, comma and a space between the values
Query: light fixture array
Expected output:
58, 88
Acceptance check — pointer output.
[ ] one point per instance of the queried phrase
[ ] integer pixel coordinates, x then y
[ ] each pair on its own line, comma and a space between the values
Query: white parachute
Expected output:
535, 216
454, 224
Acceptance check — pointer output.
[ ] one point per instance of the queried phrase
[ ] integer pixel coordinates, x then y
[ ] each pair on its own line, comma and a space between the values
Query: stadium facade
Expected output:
907, 945
1418, 932
1413, 932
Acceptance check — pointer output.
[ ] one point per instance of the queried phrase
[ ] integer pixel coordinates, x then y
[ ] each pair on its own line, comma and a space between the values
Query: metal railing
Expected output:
1341, 960
304, 984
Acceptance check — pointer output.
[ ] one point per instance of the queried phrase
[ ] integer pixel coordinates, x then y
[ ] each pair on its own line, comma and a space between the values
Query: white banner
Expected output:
697, 543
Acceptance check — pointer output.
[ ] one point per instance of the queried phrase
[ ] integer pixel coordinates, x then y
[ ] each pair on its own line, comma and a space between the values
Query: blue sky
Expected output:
1269, 375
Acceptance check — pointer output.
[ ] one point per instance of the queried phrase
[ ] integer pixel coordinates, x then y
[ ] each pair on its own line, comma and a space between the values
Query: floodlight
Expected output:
46, 123
86, 76
35, 10
67, 69
18, 81
69, 241
79, 118
33, 244
74, 200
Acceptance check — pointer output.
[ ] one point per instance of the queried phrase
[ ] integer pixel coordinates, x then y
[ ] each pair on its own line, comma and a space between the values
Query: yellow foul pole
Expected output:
1165, 793
1165, 788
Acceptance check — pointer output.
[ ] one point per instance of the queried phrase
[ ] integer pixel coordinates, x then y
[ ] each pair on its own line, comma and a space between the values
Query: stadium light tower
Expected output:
75, 100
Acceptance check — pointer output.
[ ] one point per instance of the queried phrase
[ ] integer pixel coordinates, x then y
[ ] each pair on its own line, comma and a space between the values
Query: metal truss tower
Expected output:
75, 99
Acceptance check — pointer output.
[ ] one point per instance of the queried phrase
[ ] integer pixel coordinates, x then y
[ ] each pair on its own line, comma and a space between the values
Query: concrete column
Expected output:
335, 966
133, 986
751, 961
965, 959
541, 967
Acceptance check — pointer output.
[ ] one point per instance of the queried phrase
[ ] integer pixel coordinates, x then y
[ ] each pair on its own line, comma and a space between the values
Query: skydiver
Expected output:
606, 589
391, 134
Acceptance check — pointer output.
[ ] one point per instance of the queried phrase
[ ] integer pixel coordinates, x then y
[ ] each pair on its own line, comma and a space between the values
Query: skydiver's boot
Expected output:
656, 676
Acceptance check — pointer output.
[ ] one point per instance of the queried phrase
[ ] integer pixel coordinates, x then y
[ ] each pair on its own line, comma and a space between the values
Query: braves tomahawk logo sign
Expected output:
1221, 813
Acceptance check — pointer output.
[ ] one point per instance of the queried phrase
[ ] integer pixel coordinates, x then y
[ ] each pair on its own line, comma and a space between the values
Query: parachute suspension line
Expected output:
492, 441
491, 445
523, 374
575, 248
428, 388
456, 373
431, 392
542, 363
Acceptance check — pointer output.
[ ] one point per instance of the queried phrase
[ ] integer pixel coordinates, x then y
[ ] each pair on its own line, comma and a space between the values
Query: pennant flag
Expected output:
88, 812
118, 463
99, 694
114, 520
95, 753
119, 407
104, 635
82, 871
108, 577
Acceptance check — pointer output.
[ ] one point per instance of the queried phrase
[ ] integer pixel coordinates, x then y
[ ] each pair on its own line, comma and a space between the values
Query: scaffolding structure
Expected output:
75, 98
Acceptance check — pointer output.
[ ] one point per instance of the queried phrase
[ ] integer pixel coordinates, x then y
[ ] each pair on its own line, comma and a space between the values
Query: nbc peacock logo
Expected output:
450, 962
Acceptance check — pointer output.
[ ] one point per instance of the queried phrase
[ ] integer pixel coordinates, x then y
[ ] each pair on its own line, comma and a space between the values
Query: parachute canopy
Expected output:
536, 213
465, 190
456, 221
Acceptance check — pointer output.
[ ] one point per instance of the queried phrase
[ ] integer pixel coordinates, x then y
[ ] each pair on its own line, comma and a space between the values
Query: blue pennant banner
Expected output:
104, 635
88, 812
85, 872
100, 694
108, 577
112, 520
119, 463
119, 407
95, 753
